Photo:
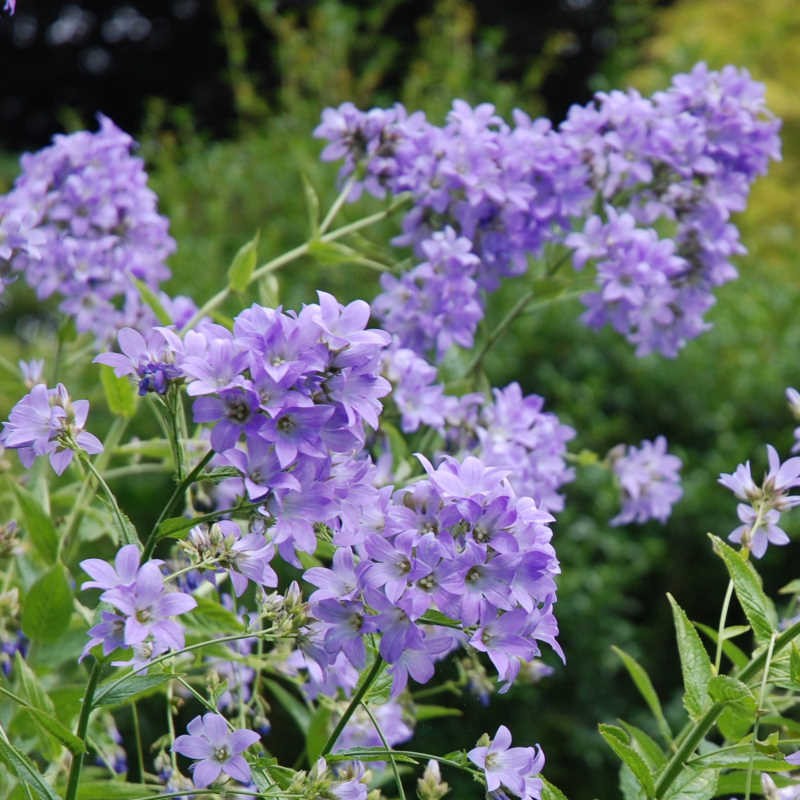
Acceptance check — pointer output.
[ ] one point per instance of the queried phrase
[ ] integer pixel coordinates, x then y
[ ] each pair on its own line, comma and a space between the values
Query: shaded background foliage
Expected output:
227, 140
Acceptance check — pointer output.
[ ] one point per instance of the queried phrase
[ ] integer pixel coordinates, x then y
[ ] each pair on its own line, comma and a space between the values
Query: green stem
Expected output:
723, 617
137, 734
761, 696
694, 734
235, 637
127, 537
177, 493
392, 760
80, 732
687, 747
88, 489
293, 255
337, 204
374, 753
499, 330
354, 702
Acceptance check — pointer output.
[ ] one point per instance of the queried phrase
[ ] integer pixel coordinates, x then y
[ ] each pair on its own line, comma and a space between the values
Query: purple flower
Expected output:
144, 604
649, 481
48, 422
10, 6
215, 749
121, 575
766, 502
511, 767
151, 360
96, 229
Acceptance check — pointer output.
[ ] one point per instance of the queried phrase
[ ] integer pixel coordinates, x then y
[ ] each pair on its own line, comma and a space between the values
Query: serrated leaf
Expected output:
117, 691
617, 739
37, 523
317, 733
39, 706
47, 607
24, 769
152, 300
243, 265
693, 785
739, 715
120, 393
696, 666
757, 607
645, 686
728, 690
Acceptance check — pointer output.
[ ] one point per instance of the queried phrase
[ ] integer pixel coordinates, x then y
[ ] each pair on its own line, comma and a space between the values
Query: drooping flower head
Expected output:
216, 749
514, 768
47, 422
760, 513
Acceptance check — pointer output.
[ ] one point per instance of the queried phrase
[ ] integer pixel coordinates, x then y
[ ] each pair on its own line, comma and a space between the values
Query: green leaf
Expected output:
48, 607
631, 788
422, 712
152, 300
757, 607
317, 734
693, 785
739, 757
120, 393
115, 790
550, 792
739, 715
210, 615
645, 686
243, 265
695, 664
737, 656
793, 587
37, 522
647, 747
39, 706
296, 710
24, 769
122, 525
794, 664
332, 253
113, 693
619, 741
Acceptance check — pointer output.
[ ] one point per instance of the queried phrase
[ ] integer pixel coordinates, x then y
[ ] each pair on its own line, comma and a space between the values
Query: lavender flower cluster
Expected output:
81, 223
494, 194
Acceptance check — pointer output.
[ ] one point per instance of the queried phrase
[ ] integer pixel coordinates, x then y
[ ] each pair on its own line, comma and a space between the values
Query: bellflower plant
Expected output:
356, 511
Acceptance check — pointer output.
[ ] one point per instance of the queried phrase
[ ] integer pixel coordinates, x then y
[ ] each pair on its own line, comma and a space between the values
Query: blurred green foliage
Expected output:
718, 403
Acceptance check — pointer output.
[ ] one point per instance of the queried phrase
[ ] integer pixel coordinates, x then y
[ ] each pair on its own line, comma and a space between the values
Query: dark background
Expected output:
62, 59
